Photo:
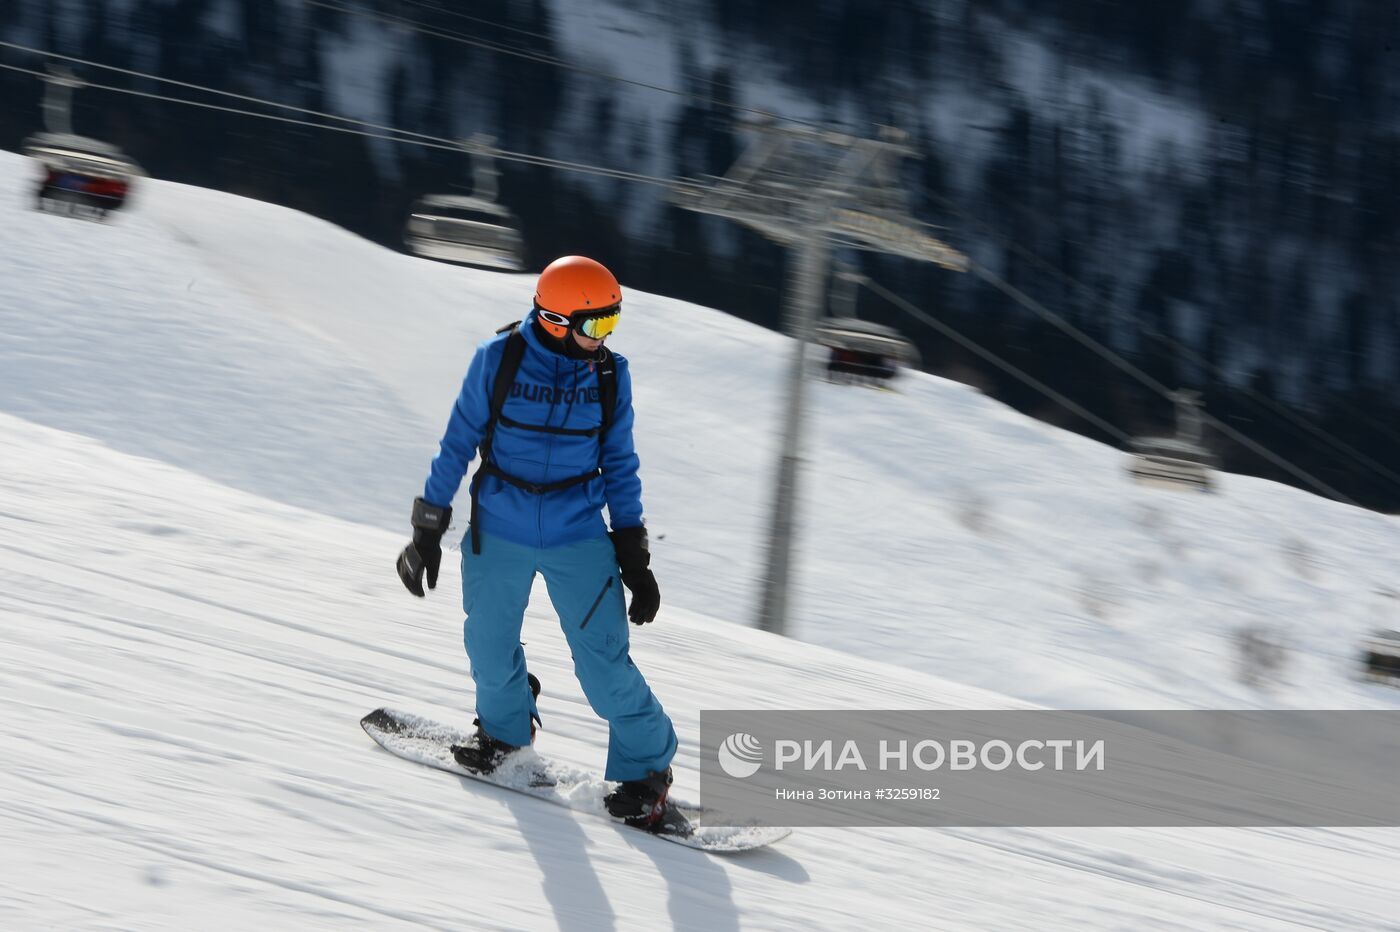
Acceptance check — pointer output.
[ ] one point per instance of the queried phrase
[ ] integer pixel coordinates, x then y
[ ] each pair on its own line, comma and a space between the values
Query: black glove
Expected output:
425, 553
633, 559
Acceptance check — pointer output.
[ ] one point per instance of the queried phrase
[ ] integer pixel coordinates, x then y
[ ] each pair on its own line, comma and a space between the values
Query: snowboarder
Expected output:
548, 409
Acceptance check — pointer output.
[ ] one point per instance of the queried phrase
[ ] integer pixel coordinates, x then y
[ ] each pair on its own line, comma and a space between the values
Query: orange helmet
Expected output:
575, 285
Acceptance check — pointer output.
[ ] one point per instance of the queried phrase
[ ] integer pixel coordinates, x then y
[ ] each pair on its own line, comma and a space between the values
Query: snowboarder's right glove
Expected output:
425, 552
634, 561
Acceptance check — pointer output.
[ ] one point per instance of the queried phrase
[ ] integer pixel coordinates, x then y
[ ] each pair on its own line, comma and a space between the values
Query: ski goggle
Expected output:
593, 324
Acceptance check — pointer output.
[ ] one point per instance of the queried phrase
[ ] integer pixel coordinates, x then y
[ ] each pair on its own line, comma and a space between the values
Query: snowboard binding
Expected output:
641, 803
486, 753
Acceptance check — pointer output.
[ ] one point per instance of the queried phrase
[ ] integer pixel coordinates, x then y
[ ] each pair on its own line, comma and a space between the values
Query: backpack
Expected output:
500, 390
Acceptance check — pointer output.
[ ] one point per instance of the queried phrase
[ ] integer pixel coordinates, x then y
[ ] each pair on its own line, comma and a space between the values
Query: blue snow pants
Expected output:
584, 586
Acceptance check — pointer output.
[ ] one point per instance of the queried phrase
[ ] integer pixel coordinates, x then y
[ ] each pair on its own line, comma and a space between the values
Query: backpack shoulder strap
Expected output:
505, 373
607, 390
511, 356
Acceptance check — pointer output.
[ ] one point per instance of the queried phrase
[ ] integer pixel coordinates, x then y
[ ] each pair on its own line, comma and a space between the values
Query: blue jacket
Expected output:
549, 390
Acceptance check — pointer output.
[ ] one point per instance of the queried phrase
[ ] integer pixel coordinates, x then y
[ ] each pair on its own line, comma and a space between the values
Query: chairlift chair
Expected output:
1179, 462
468, 230
1167, 463
1381, 655
82, 176
863, 351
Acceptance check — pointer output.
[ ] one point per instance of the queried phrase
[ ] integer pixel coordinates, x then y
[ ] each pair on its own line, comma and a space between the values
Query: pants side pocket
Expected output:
589, 617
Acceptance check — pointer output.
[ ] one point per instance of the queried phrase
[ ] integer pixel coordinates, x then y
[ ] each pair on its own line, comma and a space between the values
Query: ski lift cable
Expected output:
475, 19
404, 136
1196, 357
405, 139
209, 90
474, 41
1258, 398
1280, 410
1117, 360
427, 142
440, 141
1108, 354
495, 24
986, 354
1026, 301
919, 314
545, 59
1069, 404
248, 98
1135, 372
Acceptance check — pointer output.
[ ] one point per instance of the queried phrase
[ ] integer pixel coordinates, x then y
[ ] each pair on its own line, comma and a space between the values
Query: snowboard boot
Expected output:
485, 755
640, 802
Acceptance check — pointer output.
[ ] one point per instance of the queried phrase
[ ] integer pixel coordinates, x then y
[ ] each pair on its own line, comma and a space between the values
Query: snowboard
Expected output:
415, 738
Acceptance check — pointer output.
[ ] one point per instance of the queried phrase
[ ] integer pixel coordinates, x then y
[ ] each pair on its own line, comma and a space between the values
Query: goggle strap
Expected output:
579, 318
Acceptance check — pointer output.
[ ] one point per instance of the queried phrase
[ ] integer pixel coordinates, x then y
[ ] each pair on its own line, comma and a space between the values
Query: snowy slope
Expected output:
184, 665
211, 426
